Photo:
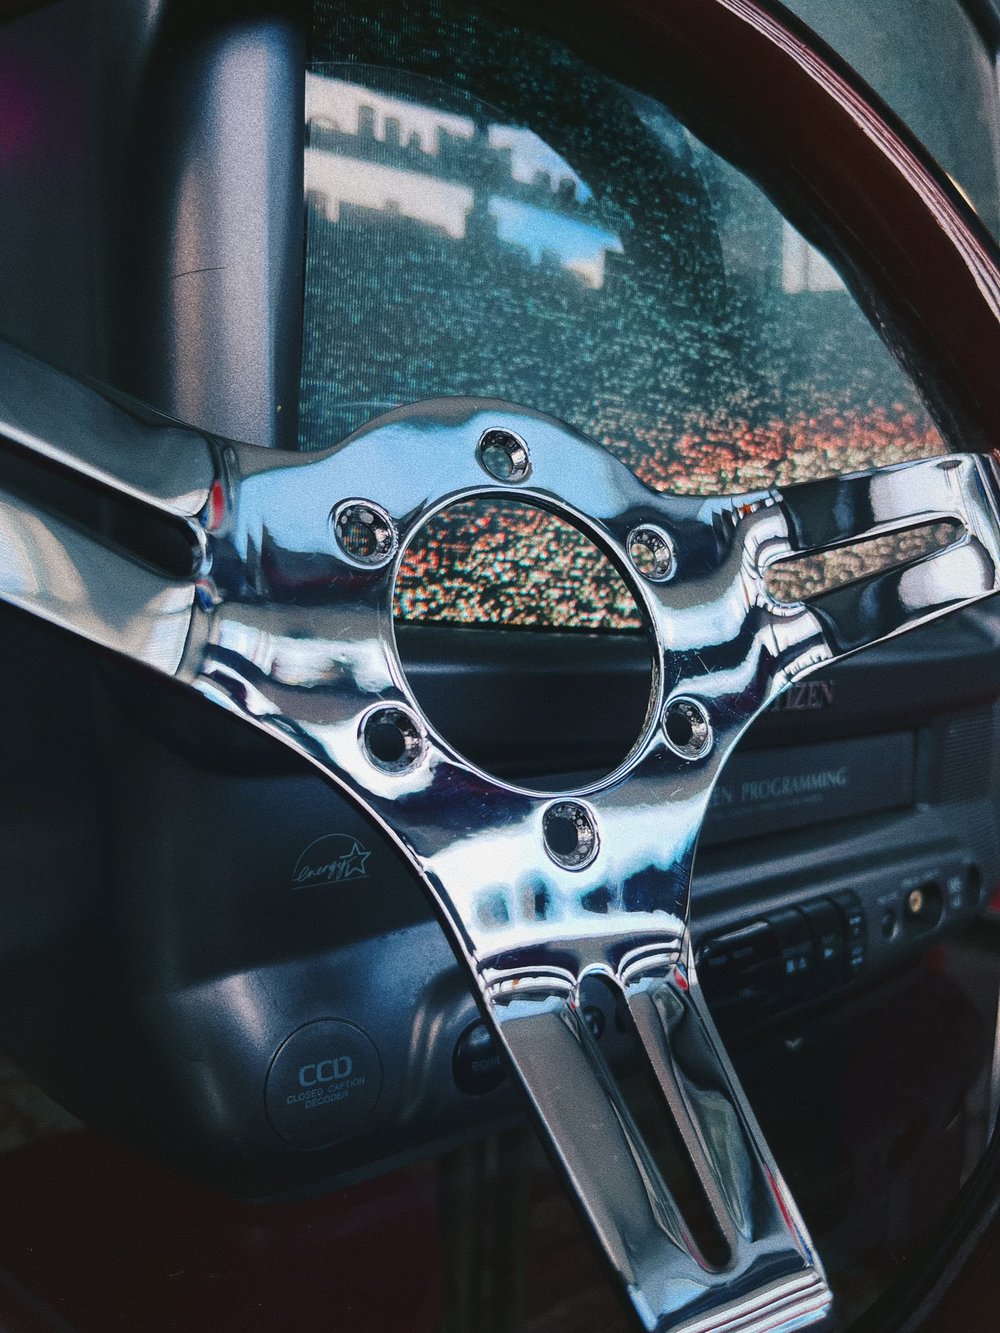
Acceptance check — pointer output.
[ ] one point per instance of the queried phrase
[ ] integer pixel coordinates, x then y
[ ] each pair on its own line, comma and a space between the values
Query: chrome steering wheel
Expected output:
285, 620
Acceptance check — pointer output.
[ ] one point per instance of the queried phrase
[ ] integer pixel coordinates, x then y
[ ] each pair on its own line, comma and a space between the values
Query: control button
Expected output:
958, 895
827, 930
760, 983
715, 967
853, 913
723, 959
323, 1084
798, 953
888, 923
477, 1064
857, 953
923, 905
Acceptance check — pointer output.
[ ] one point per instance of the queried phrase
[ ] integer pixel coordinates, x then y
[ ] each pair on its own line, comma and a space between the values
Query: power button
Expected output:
323, 1083
477, 1063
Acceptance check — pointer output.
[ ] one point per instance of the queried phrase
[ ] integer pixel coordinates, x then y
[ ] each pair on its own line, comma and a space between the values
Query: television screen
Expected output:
487, 216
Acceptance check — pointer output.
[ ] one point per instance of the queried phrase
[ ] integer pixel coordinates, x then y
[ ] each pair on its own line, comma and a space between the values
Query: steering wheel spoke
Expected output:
102, 437
85, 474
52, 570
759, 1265
823, 516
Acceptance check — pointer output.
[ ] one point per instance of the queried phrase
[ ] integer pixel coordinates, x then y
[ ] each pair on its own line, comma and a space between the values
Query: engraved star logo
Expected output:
355, 864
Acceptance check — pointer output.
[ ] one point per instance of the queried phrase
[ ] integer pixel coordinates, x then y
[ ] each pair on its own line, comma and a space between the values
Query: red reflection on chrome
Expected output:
789, 1220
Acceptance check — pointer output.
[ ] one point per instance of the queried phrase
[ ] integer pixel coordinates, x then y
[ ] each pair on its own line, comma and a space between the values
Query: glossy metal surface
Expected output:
281, 626
111, 441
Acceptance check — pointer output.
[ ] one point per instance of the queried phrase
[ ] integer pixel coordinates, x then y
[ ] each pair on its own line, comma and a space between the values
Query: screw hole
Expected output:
392, 739
364, 532
652, 553
687, 728
504, 455
679, 729
570, 834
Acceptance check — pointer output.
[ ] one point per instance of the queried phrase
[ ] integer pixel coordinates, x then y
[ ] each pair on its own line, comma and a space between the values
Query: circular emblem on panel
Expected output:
323, 1083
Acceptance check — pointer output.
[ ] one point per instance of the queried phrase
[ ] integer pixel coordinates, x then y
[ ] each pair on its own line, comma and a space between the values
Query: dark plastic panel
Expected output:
208, 299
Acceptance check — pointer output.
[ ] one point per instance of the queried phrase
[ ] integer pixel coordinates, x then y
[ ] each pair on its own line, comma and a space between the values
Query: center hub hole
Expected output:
522, 644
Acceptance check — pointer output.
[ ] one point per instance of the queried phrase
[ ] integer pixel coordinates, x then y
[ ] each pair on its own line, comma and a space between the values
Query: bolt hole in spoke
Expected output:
805, 576
688, 728
392, 739
570, 833
503, 617
646, 1103
652, 553
504, 455
365, 532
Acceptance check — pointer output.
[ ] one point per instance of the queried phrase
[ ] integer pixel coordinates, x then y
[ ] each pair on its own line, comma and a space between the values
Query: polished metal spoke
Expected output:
287, 623
56, 430
828, 515
70, 578
102, 436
